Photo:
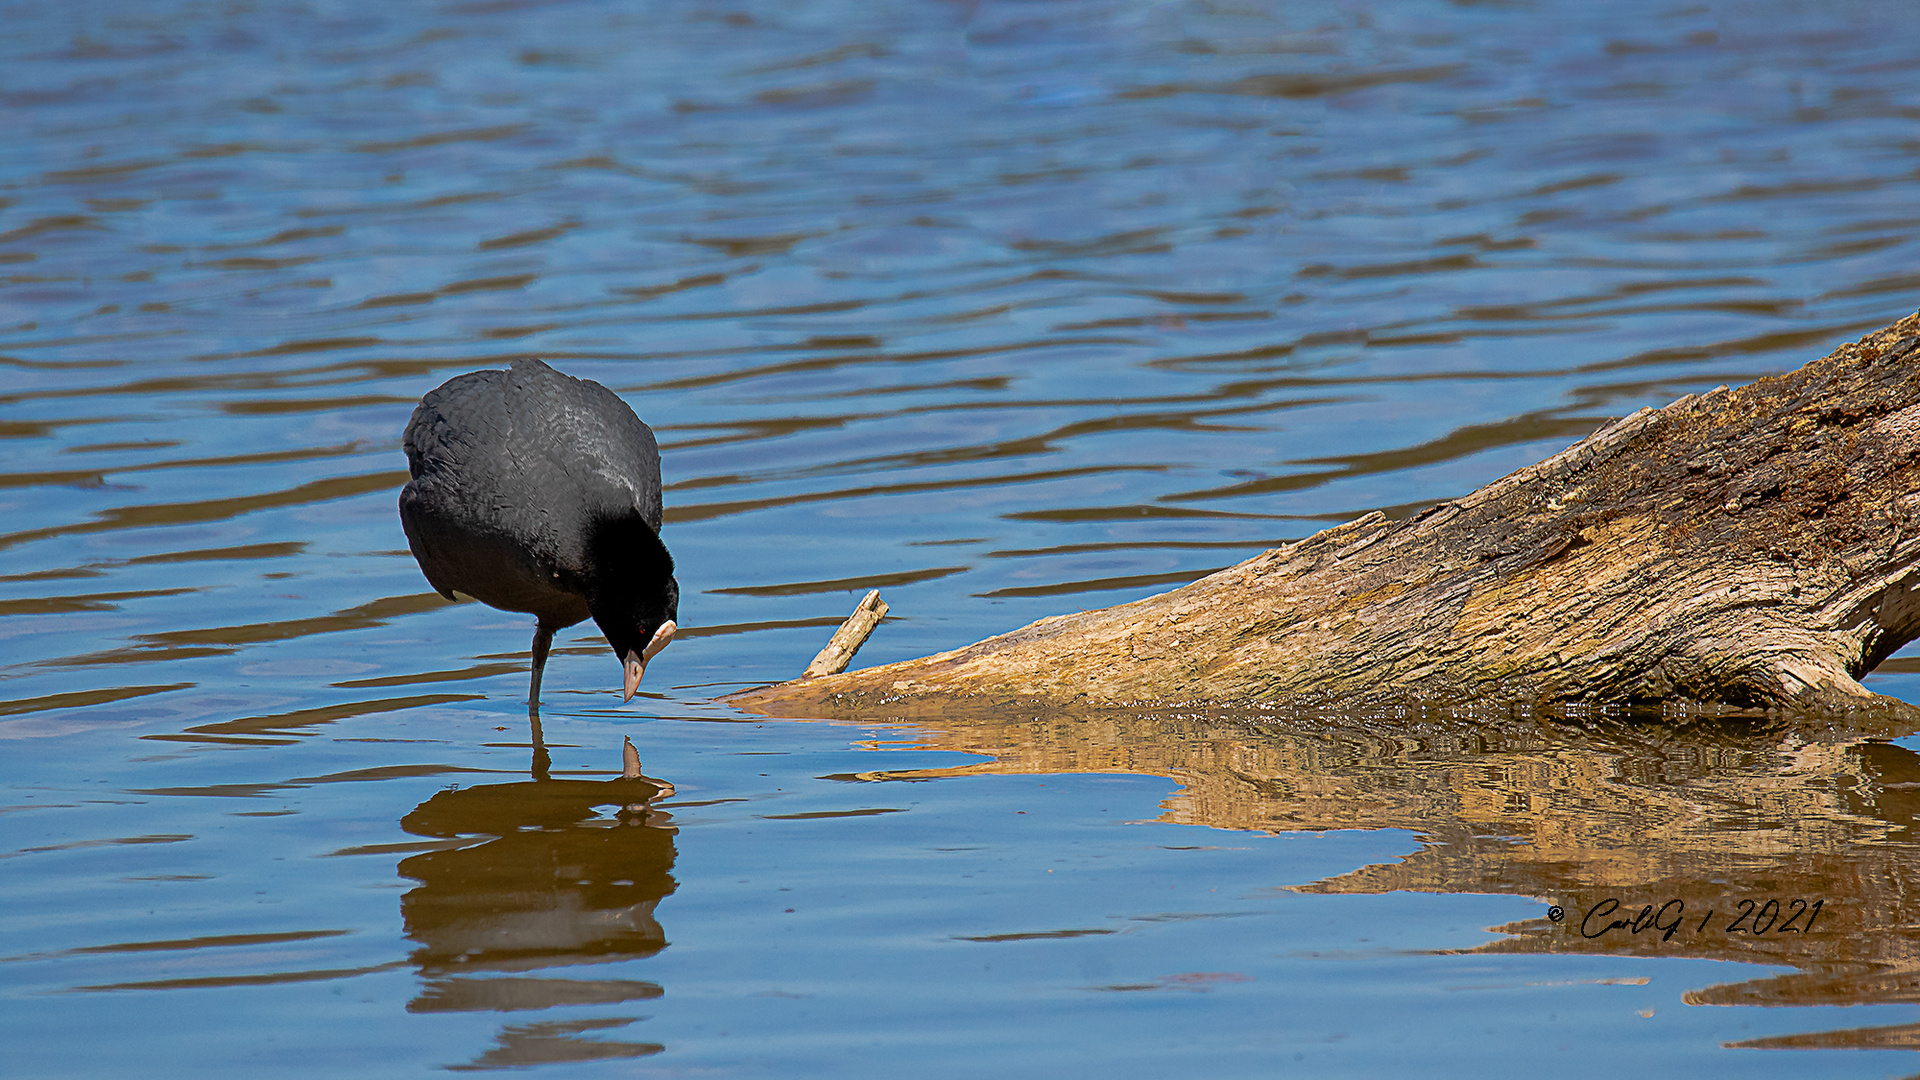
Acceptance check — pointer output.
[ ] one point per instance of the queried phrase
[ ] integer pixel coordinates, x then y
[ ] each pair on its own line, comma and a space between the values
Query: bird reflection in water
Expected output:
536, 876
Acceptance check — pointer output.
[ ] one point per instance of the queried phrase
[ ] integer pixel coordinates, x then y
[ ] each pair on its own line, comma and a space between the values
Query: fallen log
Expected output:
1756, 547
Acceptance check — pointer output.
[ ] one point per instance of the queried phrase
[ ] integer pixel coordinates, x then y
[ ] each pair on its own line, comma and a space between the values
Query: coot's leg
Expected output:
542, 761
542, 641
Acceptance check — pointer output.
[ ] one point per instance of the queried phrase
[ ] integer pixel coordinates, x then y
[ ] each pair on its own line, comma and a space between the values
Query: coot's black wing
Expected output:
510, 471
584, 432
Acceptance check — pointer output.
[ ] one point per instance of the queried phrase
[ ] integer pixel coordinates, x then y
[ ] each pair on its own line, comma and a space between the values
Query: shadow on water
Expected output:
1742, 838
535, 877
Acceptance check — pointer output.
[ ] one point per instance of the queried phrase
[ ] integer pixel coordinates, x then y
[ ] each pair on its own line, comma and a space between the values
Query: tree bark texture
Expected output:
1755, 546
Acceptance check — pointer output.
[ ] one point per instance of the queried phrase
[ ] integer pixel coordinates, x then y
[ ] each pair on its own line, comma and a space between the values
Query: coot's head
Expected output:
632, 594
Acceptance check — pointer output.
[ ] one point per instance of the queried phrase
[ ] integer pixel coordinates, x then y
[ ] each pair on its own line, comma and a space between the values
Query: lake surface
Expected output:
1006, 309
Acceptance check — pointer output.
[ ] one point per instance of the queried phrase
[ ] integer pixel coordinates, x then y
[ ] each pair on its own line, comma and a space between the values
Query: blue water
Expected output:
1007, 309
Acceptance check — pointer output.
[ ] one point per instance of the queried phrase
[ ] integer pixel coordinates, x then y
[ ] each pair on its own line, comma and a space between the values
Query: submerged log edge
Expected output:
1755, 547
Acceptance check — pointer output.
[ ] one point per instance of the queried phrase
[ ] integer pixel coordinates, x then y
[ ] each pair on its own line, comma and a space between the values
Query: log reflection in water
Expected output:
1690, 827
547, 881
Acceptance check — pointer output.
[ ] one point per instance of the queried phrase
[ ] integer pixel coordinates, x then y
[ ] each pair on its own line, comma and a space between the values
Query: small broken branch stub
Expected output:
847, 640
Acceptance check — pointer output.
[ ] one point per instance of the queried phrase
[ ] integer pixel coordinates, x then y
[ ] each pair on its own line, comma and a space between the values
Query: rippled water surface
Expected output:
1006, 309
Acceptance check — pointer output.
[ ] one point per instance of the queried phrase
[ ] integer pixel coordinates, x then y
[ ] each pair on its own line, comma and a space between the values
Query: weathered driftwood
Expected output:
847, 640
1755, 546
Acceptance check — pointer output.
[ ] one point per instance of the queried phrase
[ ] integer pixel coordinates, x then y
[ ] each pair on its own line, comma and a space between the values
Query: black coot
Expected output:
535, 491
